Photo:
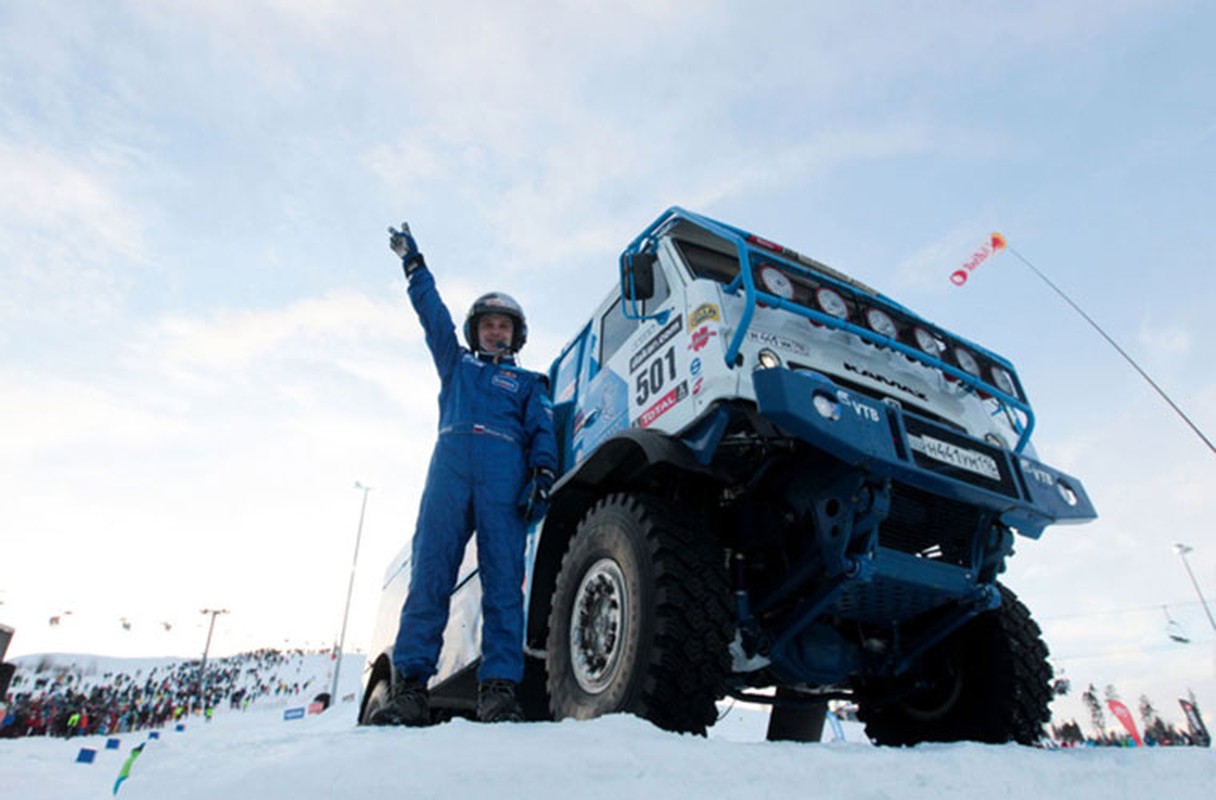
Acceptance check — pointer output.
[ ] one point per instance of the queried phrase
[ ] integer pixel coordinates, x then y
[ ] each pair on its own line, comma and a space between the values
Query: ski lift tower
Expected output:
6, 669
1182, 550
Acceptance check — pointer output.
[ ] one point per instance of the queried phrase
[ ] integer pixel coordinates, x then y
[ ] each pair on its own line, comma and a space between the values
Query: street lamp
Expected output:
333, 693
1182, 550
202, 671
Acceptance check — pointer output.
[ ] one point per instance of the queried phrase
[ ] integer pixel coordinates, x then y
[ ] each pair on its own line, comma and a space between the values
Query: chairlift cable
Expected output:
1115, 345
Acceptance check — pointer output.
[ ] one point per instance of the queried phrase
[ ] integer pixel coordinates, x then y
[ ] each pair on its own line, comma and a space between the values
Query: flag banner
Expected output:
86, 755
113, 744
994, 245
1120, 711
1194, 721
125, 771
293, 713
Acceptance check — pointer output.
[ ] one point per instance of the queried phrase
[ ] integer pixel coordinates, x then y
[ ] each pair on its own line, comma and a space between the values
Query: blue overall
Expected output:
495, 425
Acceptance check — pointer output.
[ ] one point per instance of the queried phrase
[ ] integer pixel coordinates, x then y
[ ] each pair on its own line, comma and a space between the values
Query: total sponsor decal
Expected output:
700, 337
706, 312
662, 406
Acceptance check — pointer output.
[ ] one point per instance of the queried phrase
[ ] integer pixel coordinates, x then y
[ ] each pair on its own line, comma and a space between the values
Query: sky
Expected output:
258, 753
205, 344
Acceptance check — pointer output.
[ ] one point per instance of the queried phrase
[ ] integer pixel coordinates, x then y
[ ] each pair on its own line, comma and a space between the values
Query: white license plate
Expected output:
970, 460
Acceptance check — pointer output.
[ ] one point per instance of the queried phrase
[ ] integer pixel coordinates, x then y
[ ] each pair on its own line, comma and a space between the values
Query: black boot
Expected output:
408, 704
496, 702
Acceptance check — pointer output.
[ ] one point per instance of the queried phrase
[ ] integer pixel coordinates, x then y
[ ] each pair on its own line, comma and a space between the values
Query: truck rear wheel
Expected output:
640, 620
989, 682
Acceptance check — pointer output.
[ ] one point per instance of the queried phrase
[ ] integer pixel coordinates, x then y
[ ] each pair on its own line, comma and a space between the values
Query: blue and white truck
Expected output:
780, 485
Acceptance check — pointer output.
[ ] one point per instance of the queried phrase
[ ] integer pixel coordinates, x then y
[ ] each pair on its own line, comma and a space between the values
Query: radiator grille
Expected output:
928, 526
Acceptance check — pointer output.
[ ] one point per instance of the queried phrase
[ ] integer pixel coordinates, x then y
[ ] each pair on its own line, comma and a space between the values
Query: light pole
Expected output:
1182, 550
202, 671
333, 692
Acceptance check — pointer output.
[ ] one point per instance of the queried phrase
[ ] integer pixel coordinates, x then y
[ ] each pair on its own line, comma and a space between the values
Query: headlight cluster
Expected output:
860, 309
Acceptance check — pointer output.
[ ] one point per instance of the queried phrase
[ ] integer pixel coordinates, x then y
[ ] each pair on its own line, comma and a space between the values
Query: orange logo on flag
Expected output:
996, 243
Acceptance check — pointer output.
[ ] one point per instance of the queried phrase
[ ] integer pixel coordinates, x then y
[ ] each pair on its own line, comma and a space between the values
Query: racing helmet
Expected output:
496, 303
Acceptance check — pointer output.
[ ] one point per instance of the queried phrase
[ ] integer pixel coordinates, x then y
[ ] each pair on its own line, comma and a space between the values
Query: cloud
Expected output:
236, 338
1164, 340
68, 237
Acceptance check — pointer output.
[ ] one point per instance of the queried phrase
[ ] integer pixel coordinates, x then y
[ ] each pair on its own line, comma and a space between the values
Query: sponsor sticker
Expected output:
662, 406
695, 367
657, 341
700, 338
706, 312
778, 341
1038, 473
969, 460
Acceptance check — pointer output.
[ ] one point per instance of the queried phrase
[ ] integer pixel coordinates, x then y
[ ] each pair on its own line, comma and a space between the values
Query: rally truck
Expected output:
780, 485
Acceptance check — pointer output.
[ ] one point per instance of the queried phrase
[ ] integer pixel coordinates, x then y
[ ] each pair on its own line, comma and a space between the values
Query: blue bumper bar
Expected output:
888, 442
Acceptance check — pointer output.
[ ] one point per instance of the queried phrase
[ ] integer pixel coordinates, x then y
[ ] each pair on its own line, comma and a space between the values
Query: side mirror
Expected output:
637, 276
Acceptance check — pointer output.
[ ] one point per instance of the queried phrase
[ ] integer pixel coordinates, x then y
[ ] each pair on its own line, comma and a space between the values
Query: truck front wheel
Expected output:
640, 619
987, 683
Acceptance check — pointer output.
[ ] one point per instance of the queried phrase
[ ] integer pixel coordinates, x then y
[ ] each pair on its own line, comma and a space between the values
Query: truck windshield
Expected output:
705, 262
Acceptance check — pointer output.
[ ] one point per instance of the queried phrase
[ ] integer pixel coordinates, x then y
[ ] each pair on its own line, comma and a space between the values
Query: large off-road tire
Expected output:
989, 682
640, 619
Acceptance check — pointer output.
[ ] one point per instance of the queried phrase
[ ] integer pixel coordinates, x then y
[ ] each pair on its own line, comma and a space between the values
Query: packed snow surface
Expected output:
258, 753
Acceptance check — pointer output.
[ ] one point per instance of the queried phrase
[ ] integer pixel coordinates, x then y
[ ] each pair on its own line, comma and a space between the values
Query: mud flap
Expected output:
793, 719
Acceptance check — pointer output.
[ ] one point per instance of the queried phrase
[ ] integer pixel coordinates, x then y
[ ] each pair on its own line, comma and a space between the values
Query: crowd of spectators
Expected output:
1157, 734
52, 699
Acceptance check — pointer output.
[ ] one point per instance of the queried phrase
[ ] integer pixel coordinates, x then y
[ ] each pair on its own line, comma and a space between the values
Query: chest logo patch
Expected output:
506, 380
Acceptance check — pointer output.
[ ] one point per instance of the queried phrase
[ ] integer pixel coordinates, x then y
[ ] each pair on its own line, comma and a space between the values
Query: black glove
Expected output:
534, 499
402, 243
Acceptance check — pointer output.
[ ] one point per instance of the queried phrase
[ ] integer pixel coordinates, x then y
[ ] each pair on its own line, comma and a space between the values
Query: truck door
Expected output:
637, 369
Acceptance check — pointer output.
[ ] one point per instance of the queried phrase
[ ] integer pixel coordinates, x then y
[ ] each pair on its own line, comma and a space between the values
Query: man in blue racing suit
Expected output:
490, 472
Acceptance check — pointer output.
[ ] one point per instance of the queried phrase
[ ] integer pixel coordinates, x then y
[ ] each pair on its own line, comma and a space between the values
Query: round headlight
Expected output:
777, 282
881, 322
827, 406
1004, 381
1067, 493
832, 303
927, 342
967, 362
767, 359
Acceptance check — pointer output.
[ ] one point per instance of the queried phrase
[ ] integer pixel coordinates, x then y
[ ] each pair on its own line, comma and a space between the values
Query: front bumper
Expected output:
887, 442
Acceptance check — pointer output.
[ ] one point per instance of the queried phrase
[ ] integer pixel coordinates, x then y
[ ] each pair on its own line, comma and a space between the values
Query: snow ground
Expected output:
258, 754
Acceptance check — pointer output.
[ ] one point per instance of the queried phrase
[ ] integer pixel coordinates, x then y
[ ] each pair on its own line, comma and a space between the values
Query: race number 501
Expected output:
652, 377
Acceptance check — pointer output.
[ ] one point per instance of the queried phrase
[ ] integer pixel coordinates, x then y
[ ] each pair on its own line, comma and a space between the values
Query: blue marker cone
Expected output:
86, 755
112, 744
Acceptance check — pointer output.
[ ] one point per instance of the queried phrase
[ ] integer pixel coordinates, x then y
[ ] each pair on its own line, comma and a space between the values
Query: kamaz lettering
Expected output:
884, 380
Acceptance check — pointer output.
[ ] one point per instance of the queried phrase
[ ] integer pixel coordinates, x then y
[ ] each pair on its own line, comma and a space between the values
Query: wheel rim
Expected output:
941, 698
597, 626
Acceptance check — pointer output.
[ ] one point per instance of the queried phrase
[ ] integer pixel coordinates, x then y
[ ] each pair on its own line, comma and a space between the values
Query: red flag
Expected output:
1119, 710
995, 244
